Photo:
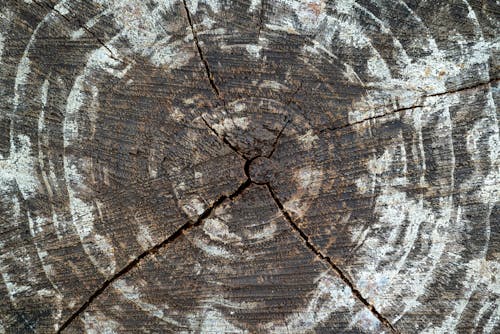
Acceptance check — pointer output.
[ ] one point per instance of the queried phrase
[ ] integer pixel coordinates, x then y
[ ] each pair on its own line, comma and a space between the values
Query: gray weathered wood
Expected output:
249, 166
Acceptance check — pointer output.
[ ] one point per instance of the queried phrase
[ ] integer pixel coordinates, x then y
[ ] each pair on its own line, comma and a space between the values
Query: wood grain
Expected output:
249, 166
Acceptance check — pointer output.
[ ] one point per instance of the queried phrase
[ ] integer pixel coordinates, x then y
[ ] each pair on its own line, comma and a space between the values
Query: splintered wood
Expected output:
207, 166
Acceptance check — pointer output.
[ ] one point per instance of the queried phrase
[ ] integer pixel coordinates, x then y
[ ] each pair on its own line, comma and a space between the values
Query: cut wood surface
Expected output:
192, 166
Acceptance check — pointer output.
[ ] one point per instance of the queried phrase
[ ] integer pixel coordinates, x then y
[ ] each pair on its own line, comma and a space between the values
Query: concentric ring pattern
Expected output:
127, 129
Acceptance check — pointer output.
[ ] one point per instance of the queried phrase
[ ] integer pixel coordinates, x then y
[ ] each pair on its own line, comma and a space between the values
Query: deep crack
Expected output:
189, 225
327, 259
421, 98
200, 53
210, 78
481, 84
153, 250
261, 19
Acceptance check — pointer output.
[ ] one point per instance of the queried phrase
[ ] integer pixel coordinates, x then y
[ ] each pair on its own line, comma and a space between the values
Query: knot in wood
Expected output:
262, 170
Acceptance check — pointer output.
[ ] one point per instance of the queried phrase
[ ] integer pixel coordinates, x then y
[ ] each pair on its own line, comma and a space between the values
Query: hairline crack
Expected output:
81, 25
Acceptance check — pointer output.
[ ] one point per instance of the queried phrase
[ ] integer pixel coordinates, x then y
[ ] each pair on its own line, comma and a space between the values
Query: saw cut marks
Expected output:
249, 166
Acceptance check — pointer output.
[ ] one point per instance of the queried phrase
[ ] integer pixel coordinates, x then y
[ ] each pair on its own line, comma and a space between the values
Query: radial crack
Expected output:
327, 259
278, 137
153, 250
478, 85
421, 105
224, 138
81, 25
200, 53
369, 119
261, 19
294, 93
210, 80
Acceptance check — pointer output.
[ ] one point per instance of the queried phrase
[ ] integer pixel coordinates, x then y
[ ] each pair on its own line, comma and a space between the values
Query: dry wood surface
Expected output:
263, 166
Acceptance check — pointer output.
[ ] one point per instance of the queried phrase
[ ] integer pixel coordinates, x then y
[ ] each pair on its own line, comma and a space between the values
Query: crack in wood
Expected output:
200, 53
223, 138
478, 85
210, 78
370, 118
421, 105
438, 155
276, 142
328, 260
153, 250
81, 25
261, 19
294, 93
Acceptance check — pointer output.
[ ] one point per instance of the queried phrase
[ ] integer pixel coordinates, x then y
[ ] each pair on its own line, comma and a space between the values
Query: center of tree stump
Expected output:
261, 170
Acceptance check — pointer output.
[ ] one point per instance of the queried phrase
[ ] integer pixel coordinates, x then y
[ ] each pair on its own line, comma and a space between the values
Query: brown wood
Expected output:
249, 166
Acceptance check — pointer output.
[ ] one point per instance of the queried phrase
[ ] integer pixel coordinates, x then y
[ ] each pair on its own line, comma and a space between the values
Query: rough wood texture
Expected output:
249, 166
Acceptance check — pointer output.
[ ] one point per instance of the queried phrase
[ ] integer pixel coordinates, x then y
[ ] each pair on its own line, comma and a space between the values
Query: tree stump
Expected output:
249, 166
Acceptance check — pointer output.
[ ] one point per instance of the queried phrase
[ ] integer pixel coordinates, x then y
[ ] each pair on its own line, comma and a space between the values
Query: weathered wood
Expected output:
239, 266
249, 166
